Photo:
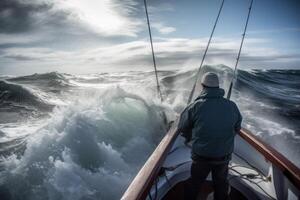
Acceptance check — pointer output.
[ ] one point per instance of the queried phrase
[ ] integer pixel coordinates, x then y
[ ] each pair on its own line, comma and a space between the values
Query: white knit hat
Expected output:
210, 79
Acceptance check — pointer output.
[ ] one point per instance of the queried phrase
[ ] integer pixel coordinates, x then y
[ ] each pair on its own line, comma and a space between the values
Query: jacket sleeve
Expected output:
238, 124
185, 124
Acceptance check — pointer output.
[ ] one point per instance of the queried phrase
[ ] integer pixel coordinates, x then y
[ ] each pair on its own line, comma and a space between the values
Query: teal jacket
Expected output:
211, 122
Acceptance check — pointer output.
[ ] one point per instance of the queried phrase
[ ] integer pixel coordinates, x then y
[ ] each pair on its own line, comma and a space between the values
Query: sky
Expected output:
94, 36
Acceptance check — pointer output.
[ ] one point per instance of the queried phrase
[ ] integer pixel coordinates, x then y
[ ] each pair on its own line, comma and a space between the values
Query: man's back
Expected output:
215, 119
213, 122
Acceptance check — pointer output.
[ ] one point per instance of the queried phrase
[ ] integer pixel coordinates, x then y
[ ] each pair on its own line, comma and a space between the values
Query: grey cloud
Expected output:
20, 58
52, 26
215, 56
16, 44
37, 18
16, 16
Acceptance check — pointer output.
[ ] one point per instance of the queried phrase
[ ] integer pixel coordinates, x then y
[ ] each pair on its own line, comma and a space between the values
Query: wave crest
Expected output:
86, 148
51, 79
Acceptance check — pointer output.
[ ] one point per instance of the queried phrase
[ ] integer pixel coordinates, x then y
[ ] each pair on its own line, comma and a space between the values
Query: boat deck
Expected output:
205, 192
243, 179
246, 181
256, 171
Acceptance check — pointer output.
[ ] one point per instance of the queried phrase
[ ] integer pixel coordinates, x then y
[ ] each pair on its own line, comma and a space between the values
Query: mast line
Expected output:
153, 54
240, 50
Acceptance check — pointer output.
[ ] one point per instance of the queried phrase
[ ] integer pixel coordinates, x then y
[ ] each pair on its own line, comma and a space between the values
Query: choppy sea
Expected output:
75, 137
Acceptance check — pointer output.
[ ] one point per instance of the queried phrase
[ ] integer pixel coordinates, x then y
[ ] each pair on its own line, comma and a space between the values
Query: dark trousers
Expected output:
199, 172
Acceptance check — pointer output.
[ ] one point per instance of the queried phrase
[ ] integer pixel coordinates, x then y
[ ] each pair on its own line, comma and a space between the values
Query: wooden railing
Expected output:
142, 183
291, 171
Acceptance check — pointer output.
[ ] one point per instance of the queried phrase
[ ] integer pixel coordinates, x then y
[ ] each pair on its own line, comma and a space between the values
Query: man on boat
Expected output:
210, 123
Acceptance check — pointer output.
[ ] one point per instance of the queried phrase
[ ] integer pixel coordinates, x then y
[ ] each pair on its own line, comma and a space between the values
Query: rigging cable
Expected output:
153, 54
205, 52
238, 57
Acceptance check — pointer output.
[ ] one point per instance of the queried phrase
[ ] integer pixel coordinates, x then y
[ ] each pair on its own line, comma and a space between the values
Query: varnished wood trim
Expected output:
142, 183
291, 171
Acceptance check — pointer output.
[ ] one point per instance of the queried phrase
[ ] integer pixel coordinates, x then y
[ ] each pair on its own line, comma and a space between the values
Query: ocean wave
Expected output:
187, 77
103, 135
85, 149
51, 79
14, 95
281, 87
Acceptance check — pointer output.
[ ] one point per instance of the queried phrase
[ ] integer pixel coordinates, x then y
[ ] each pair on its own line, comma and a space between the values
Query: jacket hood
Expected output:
211, 93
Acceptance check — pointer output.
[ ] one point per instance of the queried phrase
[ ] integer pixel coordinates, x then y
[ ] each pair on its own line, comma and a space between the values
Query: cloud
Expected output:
72, 24
19, 57
105, 17
159, 6
170, 53
18, 16
161, 28
80, 36
157, 23
64, 26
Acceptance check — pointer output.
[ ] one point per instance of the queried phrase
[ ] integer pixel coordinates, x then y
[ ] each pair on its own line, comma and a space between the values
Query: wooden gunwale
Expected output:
142, 183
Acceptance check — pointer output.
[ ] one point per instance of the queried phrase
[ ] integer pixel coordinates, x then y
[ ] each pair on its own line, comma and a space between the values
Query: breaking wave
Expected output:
87, 150
10, 94
52, 79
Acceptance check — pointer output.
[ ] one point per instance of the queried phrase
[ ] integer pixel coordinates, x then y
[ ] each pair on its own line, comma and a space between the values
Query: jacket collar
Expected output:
211, 93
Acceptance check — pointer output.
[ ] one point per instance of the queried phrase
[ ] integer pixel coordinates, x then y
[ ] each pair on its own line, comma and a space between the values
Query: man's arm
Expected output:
185, 124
